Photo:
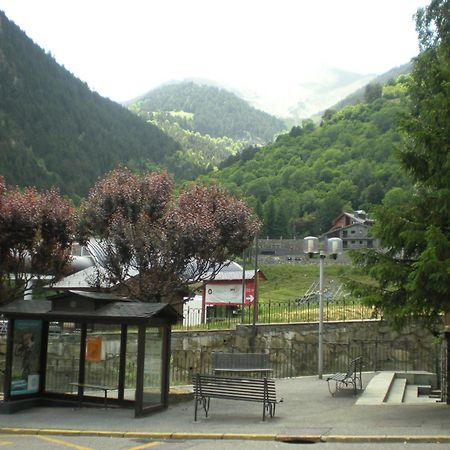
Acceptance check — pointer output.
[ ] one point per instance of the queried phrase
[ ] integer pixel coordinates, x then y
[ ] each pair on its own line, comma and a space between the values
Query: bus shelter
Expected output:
90, 348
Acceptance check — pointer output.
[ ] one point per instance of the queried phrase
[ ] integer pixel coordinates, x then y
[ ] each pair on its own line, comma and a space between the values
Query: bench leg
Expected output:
205, 404
330, 387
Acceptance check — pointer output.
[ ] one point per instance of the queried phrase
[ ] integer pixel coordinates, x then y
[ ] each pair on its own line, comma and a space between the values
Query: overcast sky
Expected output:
123, 49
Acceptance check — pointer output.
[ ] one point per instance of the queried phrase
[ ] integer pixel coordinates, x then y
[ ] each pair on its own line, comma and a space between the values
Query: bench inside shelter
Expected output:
82, 386
241, 363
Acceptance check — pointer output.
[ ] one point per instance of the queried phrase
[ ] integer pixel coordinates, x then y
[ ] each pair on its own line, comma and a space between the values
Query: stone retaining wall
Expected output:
293, 347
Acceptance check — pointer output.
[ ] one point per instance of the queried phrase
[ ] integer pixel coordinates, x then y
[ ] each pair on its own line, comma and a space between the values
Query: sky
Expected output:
123, 49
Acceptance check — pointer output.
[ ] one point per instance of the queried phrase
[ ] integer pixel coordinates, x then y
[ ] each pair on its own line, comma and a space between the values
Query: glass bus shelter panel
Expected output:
26, 361
153, 367
2, 361
63, 357
102, 359
131, 364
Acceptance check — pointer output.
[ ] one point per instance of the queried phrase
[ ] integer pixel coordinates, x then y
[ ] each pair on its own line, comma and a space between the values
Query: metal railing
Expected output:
298, 359
299, 310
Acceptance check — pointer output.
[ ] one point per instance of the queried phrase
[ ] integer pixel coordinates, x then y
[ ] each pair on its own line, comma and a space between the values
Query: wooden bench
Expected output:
242, 363
351, 377
105, 390
261, 390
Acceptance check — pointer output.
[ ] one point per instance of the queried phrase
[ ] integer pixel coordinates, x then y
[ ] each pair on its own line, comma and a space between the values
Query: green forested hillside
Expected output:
55, 131
358, 96
308, 176
209, 123
210, 110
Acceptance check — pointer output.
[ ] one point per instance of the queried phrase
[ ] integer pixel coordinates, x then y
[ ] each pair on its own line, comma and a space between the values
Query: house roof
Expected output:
233, 275
336, 229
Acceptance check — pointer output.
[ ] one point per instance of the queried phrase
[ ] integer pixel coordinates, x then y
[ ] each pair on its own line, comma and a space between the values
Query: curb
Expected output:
290, 438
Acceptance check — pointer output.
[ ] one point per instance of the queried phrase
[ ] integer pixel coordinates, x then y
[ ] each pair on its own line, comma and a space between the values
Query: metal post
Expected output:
320, 358
243, 289
255, 286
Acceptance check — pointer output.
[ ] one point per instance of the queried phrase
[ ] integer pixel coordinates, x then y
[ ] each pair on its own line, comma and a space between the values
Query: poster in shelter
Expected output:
94, 348
26, 357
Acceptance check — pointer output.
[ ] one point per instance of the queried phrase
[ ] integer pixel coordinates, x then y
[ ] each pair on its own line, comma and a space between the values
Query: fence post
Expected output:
291, 360
269, 310
375, 356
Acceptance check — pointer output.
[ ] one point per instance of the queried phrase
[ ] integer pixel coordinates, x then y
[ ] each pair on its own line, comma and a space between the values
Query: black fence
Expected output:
302, 359
299, 359
229, 315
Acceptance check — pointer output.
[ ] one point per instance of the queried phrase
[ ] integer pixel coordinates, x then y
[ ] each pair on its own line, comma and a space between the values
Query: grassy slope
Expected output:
290, 281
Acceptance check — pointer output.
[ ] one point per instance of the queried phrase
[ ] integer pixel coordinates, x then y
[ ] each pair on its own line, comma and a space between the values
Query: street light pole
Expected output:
311, 247
320, 356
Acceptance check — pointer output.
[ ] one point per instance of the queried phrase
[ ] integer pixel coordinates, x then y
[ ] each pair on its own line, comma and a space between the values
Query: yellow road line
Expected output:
149, 445
6, 443
61, 442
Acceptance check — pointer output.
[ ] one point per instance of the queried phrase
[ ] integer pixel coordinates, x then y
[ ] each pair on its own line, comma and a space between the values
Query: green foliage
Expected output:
308, 176
212, 111
55, 131
412, 276
199, 153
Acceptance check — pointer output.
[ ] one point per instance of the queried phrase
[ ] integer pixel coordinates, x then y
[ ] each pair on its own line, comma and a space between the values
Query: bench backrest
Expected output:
262, 389
240, 360
354, 366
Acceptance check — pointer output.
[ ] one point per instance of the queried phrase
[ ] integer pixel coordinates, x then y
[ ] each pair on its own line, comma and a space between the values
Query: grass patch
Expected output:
291, 281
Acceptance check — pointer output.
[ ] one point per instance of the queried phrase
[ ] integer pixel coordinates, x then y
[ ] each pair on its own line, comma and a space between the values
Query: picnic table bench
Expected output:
225, 363
351, 377
261, 390
99, 387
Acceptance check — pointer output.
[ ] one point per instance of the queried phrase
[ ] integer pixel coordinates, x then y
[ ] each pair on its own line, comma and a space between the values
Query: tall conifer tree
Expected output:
412, 273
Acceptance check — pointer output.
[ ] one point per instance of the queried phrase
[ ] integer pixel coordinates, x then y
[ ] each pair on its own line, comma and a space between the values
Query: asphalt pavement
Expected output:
307, 413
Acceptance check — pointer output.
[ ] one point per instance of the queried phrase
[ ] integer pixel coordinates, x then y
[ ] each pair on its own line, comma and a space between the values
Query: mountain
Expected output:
209, 123
55, 131
304, 95
358, 95
308, 176
210, 111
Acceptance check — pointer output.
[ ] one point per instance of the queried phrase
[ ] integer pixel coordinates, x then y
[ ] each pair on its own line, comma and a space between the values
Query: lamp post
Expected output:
334, 248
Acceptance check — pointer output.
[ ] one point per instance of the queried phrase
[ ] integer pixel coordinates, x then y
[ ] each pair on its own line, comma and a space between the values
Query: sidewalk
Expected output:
308, 412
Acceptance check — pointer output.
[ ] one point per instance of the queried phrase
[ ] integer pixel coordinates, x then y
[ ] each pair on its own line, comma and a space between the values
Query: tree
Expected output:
155, 244
372, 92
36, 232
412, 275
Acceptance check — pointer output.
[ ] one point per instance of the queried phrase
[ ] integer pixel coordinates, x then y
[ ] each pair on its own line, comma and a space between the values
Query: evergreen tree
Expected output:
412, 273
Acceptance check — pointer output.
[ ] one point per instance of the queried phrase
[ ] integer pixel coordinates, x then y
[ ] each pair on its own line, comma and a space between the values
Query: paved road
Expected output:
307, 410
107, 443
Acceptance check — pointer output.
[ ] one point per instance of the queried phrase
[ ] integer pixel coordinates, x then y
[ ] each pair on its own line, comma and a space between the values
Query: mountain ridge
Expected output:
58, 131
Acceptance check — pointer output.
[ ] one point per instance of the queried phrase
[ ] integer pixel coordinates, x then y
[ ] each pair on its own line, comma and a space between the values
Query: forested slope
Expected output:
308, 176
210, 110
55, 131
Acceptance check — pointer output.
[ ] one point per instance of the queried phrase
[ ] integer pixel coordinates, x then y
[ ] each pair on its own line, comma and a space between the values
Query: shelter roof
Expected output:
113, 309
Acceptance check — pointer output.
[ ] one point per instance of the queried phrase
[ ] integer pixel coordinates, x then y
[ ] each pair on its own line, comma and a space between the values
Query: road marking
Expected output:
6, 443
149, 445
61, 442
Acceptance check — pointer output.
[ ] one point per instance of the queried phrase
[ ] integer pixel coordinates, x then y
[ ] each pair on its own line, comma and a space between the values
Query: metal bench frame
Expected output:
244, 363
352, 377
105, 390
261, 390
